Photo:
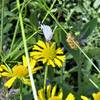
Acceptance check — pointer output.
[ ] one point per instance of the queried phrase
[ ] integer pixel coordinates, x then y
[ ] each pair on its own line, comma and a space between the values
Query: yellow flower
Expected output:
51, 93
70, 97
19, 72
84, 98
5, 71
96, 96
47, 53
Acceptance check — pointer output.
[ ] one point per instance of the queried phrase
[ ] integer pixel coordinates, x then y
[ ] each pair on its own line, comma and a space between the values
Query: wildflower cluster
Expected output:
53, 94
47, 53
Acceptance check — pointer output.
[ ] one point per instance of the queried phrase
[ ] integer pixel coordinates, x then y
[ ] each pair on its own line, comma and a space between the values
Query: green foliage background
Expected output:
79, 17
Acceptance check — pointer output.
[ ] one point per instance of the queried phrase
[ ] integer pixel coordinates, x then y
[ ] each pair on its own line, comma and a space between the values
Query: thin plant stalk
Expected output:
26, 53
45, 77
15, 32
21, 97
49, 11
79, 72
2, 21
94, 84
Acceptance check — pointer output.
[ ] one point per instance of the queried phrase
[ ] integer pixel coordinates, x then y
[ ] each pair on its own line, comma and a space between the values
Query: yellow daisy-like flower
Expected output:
47, 53
84, 98
51, 93
96, 96
19, 72
70, 97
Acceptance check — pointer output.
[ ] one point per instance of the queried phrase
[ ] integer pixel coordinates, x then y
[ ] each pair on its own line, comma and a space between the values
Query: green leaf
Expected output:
56, 36
88, 28
94, 53
7, 27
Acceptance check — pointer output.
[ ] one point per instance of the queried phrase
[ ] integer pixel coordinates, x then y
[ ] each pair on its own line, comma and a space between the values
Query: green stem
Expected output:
2, 15
96, 86
48, 11
15, 32
26, 52
45, 78
79, 73
21, 97
62, 76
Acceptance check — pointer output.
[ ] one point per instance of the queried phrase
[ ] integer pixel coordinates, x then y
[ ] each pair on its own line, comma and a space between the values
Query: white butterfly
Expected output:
47, 31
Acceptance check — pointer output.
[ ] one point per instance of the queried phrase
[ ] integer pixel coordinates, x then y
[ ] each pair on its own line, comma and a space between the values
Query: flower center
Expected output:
20, 71
49, 53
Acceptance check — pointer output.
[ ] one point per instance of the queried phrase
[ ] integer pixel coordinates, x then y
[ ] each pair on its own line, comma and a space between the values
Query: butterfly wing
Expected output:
47, 31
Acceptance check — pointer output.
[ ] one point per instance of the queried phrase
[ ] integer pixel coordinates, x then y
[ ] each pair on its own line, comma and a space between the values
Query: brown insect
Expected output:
71, 42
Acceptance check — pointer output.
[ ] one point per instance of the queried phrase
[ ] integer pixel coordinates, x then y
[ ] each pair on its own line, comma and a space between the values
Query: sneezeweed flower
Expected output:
47, 31
51, 93
96, 96
48, 54
19, 71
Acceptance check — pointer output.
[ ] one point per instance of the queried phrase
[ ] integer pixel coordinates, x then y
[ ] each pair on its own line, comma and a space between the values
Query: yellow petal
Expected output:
58, 62
26, 81
53, 46
35, 53
6, 74
50, 62
47, 45
70, 97
62, 58
1, 69
10, 82
53, 91
96, 96
44, 60
59, 51
24, 61
48, 90
55, 98
5, 68
84, 98
41, 94
37, 48
34, 70
32, 63
60, 94
41, 44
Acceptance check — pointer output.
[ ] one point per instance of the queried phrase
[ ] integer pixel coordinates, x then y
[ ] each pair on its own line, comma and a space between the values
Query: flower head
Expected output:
51, 93
19, 72
96, 96
47, 53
